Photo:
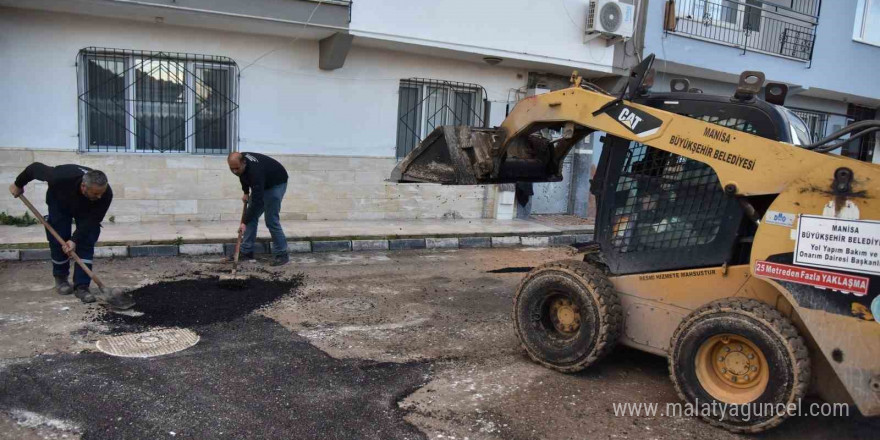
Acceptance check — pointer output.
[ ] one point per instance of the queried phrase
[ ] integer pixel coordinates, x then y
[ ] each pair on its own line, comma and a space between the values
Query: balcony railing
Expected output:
750, 25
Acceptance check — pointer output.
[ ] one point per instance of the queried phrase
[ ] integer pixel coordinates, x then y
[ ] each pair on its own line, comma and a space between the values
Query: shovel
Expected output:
233, 276
117, 300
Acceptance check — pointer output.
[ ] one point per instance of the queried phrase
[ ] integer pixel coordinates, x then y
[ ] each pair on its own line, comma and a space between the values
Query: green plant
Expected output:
24, 220
178, 241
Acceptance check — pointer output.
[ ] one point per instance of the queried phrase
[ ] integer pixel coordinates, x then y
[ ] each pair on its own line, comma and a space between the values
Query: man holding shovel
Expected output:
75, 193
264, 182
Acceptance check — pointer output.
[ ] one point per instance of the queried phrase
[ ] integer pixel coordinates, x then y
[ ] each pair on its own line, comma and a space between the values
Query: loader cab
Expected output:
659, 211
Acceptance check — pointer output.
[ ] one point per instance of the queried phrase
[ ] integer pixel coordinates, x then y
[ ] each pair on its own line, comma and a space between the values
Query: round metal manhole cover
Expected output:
354, 304
149, 344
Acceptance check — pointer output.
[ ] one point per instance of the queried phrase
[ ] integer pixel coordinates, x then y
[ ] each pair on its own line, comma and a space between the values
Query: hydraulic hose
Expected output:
827, 148
843, 132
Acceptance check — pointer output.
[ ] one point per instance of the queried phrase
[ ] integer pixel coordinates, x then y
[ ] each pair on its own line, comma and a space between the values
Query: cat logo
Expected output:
635, 120
629, 119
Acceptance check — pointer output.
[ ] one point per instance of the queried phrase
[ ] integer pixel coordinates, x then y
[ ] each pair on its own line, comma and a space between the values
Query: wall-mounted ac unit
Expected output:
610, 19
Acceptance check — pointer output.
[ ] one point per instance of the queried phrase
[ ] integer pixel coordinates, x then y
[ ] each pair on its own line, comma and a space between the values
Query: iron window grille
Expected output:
817, 122
752, 25
425, 104
156, 102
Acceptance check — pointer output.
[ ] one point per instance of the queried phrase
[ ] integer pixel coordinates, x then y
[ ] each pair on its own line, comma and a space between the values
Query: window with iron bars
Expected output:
425, 104
816, 122
156, 102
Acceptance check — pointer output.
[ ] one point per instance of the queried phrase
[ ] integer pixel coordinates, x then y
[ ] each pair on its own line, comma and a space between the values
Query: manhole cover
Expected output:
355, 305
149, 344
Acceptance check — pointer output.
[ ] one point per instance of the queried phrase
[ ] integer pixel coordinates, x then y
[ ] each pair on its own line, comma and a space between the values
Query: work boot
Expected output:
242, 257
62, 287
120, 301
281, 260
84, 294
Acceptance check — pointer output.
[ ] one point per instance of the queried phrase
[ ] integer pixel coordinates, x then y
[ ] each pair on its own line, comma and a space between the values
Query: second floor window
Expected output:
867, 26
425, 104
156, 102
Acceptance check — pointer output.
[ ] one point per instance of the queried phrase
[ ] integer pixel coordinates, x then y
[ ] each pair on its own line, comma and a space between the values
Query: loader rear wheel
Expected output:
567, 315
739, 363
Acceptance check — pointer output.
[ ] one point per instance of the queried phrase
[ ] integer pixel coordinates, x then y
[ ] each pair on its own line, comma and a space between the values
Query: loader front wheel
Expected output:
567, 315
740, 364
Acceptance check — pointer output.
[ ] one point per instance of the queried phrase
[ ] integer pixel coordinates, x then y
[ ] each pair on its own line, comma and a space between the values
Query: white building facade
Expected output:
156, 92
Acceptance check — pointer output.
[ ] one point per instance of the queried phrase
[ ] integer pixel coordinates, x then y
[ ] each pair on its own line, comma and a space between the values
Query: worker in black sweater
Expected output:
75, 193
264, 182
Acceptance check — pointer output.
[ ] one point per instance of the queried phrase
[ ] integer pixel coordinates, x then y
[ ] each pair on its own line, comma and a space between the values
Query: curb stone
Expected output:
369, 245
406, 243
331, 246
303, 246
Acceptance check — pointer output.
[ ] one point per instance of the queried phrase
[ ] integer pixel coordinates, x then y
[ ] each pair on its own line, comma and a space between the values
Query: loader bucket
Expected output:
462, 155
443, 157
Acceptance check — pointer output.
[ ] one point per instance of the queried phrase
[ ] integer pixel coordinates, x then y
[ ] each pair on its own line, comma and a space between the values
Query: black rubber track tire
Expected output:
592, 291
785, 350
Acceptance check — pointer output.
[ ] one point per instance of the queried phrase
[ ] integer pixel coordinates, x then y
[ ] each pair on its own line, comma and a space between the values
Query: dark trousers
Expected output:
272, 208
61, 220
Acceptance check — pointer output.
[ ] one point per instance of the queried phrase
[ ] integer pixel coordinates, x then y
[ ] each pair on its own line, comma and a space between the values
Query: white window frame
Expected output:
863, 9
131, 120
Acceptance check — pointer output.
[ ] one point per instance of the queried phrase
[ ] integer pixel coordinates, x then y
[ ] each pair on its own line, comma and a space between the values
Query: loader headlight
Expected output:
875, 308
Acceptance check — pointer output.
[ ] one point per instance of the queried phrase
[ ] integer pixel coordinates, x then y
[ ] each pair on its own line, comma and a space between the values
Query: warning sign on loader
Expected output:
850, 245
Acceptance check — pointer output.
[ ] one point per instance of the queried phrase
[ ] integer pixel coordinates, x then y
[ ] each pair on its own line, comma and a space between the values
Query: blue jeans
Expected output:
61, 220
272, 208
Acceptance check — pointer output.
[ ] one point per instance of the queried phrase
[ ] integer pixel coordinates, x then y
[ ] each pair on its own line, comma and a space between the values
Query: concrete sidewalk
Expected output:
137, 239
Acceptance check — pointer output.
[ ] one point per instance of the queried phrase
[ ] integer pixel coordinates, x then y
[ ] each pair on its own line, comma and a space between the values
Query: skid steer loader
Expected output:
726, 240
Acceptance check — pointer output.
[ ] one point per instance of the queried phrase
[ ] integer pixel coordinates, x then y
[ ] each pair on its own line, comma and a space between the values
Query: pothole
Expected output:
149, 344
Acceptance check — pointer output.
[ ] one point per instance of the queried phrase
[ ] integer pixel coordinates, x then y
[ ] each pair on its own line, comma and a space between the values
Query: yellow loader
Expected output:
726, 240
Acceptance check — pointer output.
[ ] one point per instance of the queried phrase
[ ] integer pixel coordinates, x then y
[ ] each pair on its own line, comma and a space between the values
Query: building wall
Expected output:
201, 188
547, 32
834, 49
287, 105
334, 131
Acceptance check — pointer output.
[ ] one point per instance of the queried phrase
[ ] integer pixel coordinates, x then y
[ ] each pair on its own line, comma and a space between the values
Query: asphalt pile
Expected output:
198, 302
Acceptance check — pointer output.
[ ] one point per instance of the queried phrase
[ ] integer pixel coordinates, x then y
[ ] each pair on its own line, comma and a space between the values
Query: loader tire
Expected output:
736, 358
567, 315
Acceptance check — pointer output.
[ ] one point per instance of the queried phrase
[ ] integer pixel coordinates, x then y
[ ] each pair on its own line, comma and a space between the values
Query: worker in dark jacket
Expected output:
264, 182
75, 193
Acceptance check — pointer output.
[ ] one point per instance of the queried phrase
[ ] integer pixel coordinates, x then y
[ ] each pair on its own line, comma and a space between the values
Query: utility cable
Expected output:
305, 25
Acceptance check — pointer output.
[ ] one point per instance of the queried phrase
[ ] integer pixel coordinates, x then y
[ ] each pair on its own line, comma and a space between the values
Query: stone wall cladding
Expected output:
201, 188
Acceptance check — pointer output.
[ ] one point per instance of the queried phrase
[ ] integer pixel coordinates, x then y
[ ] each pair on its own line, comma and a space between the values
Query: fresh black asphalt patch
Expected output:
248, 377
202, 301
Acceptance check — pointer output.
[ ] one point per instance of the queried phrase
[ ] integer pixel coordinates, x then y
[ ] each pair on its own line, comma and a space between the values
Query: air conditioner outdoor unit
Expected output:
610, 19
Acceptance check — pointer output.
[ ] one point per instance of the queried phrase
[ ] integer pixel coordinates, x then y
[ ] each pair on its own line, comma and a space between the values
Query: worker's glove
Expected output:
15, 190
